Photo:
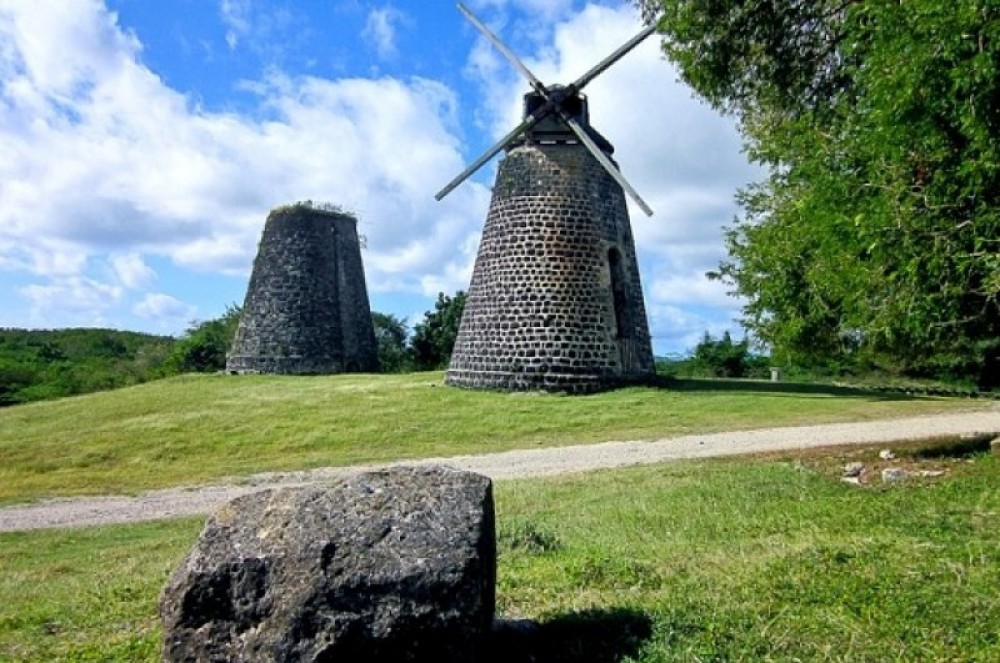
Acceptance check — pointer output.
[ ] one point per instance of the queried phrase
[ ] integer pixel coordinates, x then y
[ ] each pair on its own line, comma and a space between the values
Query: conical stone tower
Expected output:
555, 301
306, 310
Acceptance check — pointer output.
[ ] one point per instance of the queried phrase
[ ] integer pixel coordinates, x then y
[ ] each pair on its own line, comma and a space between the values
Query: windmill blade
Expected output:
603, 159
502, 47
599, 68
527, 124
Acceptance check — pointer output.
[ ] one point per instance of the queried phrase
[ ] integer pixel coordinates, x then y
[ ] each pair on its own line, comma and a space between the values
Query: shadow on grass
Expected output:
762, 386
966, 446
591, 636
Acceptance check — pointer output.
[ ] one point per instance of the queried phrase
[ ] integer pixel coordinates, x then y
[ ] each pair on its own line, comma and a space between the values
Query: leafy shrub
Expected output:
717, 358
203, 348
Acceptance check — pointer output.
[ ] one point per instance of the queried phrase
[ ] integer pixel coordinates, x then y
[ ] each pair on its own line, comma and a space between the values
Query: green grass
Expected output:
87, 594
766, 561
202, 428
720, 560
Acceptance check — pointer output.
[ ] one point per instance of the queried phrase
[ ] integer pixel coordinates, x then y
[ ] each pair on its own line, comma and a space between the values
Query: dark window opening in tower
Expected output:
619, 297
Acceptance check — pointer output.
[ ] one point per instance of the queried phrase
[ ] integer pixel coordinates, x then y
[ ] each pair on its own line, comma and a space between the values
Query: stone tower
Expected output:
555, 301
306, 310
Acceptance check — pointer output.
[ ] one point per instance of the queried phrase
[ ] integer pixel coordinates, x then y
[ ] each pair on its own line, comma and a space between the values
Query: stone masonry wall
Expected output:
555, 301
306, 310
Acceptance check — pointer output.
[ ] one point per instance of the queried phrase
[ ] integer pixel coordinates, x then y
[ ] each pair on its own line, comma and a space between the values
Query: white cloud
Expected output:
158, 306
380, 31
236, 17
77, 300
49, 257
268, 30
689, 288
682, 328
31, 28
132, 271
102, 159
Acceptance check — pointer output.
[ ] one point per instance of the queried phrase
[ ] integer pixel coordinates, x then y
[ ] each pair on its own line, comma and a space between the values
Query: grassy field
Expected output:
202, 428
724, 560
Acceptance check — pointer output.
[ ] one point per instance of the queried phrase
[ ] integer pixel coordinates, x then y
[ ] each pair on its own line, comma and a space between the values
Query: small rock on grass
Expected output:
893, 474
853, 470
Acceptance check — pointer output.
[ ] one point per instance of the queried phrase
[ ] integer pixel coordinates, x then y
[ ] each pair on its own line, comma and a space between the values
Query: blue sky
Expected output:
143, 142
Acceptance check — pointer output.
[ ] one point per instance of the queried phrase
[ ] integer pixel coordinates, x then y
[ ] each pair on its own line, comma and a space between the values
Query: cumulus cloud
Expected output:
132, 271
76, 299
161, 307
102, 159
682, 328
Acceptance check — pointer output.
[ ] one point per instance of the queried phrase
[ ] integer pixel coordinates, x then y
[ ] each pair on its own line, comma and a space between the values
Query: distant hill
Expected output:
43, 364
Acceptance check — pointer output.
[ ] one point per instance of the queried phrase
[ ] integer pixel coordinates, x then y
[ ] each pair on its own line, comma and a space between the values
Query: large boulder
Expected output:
390, 565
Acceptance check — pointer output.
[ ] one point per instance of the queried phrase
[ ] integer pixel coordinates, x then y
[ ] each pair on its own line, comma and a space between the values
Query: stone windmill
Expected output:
555, 301
306, 310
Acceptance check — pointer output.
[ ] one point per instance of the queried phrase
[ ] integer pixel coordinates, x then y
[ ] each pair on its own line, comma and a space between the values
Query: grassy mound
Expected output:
202, 428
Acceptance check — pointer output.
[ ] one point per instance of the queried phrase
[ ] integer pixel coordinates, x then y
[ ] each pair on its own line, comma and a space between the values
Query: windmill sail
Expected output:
555, 98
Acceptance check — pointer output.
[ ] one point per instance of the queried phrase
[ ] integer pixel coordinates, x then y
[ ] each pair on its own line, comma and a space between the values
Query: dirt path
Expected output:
196, 500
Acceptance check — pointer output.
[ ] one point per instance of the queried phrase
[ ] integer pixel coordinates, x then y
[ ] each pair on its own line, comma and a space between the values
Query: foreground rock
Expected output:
390, 565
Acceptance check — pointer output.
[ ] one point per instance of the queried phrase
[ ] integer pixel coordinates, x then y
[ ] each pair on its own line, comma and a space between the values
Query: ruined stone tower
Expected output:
555, 301
306, 309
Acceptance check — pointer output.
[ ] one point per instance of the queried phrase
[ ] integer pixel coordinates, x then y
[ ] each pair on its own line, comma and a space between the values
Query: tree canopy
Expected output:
40, 364
434, 337
203, 347
390, 336
873, 236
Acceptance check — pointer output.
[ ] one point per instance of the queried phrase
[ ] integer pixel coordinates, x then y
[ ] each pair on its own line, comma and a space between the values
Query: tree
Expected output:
434, 337
203, 347
14, 377
722, 358
875, 235
390, 336
42, 364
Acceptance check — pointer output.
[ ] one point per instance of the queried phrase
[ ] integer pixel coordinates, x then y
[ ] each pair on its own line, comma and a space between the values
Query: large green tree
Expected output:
874, 235
434, 337
390, 337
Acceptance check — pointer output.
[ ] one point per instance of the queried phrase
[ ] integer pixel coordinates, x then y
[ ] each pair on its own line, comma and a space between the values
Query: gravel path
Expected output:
197, 500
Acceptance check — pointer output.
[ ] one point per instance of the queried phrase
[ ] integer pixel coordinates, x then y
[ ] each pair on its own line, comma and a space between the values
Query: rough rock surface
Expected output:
390, 565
